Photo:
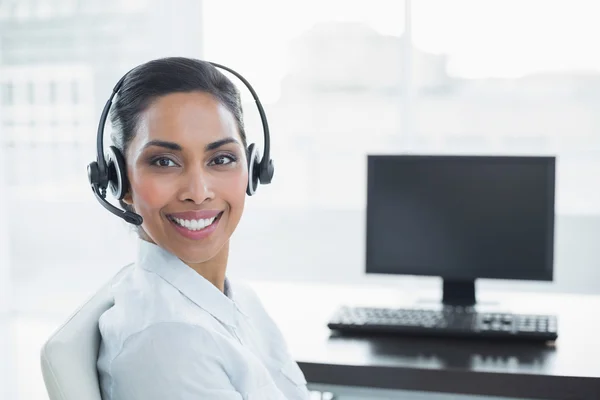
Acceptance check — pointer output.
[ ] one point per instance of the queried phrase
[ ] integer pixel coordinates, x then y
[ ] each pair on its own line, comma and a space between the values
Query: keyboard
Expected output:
447, 322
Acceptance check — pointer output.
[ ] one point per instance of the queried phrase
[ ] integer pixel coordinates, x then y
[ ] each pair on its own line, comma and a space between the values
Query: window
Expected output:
7, 93
52, 92
520, 77
74, 92
330, 79
22, 10
341, 80
30, 93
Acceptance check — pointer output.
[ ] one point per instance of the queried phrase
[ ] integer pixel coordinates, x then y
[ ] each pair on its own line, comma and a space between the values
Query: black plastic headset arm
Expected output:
103, 173
266, 156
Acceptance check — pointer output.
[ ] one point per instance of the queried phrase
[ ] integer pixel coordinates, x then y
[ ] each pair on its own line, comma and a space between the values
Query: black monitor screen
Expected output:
461, 217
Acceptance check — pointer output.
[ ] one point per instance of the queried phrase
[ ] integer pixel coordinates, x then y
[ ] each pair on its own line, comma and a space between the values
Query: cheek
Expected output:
233, 190
238, 186
149, 191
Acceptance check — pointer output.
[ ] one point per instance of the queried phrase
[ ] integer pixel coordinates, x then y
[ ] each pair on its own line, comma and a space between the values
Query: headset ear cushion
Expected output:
117, 173
253, 169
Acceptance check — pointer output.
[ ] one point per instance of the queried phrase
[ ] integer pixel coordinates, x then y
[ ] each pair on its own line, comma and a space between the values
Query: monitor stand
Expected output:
459, 293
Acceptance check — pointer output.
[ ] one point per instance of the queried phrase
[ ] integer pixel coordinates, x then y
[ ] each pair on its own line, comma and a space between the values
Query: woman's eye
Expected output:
164, 162
222, 160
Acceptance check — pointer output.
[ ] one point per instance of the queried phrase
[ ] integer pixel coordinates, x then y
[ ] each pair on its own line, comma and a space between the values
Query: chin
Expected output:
196, 254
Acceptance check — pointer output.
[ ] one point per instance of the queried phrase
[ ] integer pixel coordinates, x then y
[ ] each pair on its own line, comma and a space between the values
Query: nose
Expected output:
197, 186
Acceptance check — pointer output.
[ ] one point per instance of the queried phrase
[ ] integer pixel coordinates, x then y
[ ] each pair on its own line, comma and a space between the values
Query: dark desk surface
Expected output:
567, 369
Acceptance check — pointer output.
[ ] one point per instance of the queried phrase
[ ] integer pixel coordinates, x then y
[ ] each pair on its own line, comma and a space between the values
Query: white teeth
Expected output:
194, 224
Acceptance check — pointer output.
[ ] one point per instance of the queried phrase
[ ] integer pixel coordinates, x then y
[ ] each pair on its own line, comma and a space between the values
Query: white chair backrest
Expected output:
69, 356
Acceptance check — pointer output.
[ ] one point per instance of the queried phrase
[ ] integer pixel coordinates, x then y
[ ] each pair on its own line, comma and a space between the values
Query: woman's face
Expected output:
188, 175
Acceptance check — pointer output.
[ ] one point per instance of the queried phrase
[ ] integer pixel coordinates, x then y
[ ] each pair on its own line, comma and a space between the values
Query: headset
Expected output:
110, 171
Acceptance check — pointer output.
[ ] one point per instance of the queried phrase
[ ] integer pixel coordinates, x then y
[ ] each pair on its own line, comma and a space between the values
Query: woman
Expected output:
179, 329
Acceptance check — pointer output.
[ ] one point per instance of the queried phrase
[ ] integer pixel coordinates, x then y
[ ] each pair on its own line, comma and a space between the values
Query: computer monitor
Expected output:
461, 218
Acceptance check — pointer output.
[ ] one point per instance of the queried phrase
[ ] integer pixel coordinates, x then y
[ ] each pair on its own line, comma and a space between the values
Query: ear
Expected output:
127, 199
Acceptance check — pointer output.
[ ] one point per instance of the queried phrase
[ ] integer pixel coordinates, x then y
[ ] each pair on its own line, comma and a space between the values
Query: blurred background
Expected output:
339, 80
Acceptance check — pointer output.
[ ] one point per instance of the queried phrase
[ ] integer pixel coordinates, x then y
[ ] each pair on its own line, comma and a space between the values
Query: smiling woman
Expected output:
187, 161
179, 328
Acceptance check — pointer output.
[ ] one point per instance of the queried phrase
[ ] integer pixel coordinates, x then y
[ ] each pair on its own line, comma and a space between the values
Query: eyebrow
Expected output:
175, 147
162, 143
219, 143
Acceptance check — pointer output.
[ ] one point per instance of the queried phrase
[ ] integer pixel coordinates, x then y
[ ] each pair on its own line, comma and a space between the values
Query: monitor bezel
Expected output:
550, 161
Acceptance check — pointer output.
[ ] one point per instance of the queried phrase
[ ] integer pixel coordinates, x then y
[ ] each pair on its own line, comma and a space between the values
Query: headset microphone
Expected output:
110, 171
128, 216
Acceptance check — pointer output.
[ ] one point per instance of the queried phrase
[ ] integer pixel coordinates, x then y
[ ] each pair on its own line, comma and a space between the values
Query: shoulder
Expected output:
160, 345
177, 357
244, 293
142, 300
175, 338
250, 303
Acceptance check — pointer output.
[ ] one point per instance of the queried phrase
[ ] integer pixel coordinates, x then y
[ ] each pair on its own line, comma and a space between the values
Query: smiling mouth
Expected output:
196, 224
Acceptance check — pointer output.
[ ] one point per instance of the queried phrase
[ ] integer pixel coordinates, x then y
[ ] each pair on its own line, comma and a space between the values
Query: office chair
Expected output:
69, 356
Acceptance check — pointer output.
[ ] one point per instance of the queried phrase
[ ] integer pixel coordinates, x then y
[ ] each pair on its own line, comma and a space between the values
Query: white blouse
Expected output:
173, 335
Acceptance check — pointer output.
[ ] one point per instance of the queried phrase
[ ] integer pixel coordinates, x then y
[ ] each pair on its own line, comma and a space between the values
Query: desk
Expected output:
569, 369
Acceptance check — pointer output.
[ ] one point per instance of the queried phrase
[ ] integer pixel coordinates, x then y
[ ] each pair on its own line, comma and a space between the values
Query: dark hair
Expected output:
161, 77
